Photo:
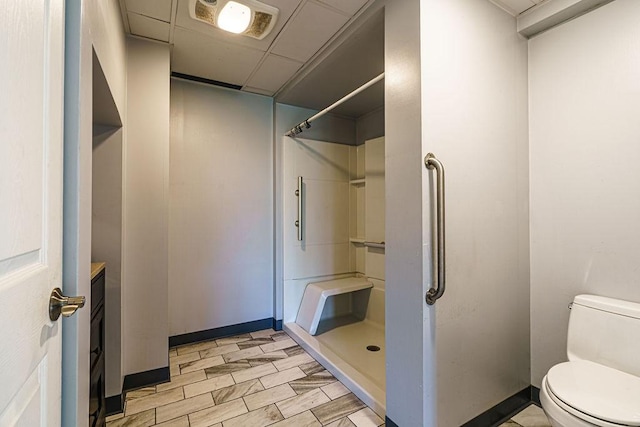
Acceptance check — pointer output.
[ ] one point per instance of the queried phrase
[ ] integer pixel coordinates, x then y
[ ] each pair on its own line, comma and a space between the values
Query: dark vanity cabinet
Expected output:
97, 392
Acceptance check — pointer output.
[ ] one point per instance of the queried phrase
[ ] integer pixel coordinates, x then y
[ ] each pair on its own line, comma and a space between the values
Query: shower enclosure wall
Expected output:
341, 218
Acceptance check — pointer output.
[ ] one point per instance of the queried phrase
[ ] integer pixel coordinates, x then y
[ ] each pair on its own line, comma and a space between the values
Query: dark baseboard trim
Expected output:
114, 405
145, 379
205, 81
503, 411
224, 331
389, 423
535, 396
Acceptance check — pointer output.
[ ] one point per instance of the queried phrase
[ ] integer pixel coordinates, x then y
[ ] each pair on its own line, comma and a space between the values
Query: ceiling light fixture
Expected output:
246, 17
234, 17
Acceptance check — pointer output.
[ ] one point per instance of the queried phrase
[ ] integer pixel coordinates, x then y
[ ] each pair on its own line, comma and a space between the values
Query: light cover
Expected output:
234, 17
250, 18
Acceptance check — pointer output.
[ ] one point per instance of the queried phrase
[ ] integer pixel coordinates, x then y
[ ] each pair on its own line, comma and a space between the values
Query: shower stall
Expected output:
334, 250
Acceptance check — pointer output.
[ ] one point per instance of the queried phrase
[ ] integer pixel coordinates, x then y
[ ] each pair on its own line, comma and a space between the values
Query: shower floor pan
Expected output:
343, 351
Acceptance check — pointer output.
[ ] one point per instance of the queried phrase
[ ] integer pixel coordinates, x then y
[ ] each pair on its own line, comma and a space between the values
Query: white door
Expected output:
31, 102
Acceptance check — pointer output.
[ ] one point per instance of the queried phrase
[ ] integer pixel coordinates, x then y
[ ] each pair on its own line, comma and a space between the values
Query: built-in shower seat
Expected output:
316, 295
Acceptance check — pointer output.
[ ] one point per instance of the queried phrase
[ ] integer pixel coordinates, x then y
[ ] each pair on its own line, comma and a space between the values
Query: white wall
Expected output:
374, 207
146, 202
357, 206
106, 244
585, 181
474, 97
327, 128
324, 252
324, 249
221, 208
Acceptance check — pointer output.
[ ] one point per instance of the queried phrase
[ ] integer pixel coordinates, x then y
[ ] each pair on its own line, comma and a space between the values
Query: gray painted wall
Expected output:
474, 95
109, 42
585, 179
409, 321
370, 126
221, 207
99, 25
146, 204
106, 244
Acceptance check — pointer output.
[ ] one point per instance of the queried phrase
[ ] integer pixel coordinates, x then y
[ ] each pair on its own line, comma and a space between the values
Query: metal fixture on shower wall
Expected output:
377, 245
434, 293
299, 128
299, 220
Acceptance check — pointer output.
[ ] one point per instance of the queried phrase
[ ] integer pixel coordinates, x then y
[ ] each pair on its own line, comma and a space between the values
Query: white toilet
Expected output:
600, 384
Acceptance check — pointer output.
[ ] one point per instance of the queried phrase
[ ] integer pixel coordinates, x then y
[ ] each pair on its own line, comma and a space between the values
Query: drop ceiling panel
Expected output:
156, 9
147, 27
302, 28
202, 56
348, 6
286, 8
356, 61
308, 32
273, 73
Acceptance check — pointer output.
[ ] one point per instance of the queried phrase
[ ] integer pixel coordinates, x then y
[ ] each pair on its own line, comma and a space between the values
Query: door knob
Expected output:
59, 304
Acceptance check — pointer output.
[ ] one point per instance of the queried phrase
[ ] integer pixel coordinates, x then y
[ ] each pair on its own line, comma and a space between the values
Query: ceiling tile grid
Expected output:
347, 6
274, 72
202, 56
156, 9
355, 60
260, 66
144, 26
308, 32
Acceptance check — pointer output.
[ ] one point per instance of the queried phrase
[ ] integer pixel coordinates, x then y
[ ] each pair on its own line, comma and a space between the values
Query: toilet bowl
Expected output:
583, 394
558, 416
600, 384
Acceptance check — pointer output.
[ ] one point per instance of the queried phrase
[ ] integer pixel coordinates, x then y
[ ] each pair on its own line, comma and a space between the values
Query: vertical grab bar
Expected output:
434, 293
299, 220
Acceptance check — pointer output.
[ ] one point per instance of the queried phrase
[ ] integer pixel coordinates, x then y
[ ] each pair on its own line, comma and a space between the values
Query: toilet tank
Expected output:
606, 331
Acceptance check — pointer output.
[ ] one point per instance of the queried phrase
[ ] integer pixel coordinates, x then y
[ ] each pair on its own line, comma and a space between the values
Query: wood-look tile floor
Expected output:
250, 380
531, 416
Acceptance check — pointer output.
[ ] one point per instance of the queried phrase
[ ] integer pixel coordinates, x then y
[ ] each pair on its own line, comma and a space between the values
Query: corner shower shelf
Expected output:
315, 297
360, 181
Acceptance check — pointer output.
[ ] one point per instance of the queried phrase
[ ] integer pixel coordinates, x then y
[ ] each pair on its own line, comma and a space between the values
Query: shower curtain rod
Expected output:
307, 123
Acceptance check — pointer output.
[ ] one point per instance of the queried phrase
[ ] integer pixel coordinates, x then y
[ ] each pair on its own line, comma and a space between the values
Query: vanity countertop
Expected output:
96, 268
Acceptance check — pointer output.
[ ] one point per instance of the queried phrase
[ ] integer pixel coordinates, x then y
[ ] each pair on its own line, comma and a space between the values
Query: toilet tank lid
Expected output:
611, 305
